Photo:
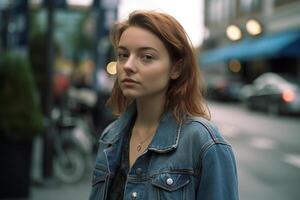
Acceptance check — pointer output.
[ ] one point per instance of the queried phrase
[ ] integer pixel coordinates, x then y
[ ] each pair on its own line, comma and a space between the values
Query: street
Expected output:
267, 150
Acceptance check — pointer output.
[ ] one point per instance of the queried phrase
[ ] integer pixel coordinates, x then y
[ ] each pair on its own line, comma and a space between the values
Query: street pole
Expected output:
48, 147
98, 12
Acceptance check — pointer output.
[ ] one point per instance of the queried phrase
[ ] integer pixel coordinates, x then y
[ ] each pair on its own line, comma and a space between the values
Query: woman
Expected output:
162, 146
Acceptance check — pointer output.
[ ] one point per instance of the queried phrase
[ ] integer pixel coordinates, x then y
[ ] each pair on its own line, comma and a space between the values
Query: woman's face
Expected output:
144, 64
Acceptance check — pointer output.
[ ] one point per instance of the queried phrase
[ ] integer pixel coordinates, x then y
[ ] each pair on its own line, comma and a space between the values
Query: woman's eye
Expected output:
122, 56
147, 58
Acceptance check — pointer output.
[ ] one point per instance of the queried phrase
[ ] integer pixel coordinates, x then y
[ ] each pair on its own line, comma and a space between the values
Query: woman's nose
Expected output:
130, 65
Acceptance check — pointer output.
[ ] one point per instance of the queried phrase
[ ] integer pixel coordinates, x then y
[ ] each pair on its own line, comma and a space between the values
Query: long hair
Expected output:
185, 94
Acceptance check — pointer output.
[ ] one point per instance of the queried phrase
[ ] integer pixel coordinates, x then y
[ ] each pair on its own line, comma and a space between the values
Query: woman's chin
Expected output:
130, 95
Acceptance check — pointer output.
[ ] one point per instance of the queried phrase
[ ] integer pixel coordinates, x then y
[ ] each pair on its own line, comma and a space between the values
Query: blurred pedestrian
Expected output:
163, 145
61, 84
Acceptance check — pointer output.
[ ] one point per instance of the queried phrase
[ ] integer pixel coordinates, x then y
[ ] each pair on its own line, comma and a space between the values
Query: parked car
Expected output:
224, 88
274, 93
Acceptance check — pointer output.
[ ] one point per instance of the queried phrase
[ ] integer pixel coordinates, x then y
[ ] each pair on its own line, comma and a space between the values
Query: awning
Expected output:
285, 44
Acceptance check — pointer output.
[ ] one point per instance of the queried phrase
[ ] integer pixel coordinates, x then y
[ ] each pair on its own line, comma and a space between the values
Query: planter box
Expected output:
15, 165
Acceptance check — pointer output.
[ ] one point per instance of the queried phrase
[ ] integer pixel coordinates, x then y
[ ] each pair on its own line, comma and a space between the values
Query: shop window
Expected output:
248, 7
215, 11
279, 3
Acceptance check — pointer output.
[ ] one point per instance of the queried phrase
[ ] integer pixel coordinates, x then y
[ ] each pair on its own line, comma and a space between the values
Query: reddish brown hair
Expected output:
185, 94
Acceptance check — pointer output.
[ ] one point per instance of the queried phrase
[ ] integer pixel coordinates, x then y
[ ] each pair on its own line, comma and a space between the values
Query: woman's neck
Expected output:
149, 111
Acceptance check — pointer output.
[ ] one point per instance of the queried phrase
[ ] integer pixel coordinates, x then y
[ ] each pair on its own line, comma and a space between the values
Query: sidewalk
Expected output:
56, 190
59, 191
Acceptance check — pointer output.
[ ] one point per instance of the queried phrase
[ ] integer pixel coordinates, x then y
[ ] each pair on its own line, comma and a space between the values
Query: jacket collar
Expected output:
165, 139
167, 134
118, 128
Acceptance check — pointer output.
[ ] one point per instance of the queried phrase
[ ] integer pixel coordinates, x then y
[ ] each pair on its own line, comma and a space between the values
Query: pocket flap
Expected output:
170, 181
99, 175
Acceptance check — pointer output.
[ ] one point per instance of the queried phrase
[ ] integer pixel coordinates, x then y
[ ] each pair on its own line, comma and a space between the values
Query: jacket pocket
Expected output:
171, 186
99, 183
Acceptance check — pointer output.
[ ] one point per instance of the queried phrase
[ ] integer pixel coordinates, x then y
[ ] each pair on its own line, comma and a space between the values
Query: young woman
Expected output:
163, 145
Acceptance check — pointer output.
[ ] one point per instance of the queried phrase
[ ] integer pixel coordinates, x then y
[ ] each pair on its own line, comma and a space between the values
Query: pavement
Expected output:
54, 189
60, 191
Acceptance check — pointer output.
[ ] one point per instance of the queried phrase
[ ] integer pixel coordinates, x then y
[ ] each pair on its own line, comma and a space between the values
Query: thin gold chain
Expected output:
140, 144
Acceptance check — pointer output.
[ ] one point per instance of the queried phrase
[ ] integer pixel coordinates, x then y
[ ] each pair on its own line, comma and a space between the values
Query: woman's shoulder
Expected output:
109, 134
202, 129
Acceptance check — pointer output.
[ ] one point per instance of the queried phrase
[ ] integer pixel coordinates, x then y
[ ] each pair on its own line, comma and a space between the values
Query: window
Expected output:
248, 7
284, 2
216, 10
232, 9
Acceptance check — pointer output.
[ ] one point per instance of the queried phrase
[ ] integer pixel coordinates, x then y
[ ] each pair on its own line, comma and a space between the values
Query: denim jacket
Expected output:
190, 160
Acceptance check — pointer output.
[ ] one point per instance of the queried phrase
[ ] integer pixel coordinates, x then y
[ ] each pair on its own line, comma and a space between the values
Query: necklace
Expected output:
139, 146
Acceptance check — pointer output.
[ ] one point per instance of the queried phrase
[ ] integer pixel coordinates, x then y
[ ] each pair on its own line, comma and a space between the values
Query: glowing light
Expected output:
288, 96
253, 27
111, 68
84, 3
235, 65
233, 32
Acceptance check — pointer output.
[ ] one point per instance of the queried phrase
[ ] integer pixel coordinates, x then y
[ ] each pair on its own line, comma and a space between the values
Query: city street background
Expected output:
267, 150
57, 69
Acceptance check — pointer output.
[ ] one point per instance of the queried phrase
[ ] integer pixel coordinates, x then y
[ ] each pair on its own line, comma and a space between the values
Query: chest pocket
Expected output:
99, 183
171, 186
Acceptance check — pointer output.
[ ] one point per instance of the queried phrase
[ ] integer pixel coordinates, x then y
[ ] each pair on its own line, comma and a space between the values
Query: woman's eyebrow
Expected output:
140, 48
122, 48
147, 48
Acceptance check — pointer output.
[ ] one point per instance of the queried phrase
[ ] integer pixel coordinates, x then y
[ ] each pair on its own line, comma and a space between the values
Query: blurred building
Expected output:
14, 25
250, 37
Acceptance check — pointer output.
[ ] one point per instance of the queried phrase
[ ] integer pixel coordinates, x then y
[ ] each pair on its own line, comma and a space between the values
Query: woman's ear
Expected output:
176, 70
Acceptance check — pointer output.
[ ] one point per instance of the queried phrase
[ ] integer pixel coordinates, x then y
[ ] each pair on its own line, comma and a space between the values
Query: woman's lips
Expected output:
129, 82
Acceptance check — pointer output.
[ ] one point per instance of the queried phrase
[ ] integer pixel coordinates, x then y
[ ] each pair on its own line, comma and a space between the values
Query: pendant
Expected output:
139, 147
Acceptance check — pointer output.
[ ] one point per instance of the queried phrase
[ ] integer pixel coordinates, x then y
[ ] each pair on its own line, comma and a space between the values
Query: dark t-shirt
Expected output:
117, 185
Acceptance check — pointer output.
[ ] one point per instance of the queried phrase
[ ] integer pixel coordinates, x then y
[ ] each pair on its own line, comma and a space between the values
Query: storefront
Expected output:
278, 52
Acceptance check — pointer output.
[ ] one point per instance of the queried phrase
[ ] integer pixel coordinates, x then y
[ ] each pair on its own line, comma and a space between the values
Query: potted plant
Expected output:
20, 122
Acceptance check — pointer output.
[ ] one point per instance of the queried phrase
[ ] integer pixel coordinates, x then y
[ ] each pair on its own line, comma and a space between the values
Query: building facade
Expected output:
250, 37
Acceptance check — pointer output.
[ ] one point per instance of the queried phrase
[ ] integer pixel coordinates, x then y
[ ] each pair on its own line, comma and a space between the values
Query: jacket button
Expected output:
134, 195
170, 181
139, 171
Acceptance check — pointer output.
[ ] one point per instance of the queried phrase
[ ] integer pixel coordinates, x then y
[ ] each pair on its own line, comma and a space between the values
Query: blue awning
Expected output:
285, 44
